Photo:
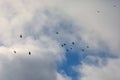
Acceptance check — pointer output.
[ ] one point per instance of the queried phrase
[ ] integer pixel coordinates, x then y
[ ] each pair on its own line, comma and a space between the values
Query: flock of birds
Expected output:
64, 44
28, 52
113, 6
73, 43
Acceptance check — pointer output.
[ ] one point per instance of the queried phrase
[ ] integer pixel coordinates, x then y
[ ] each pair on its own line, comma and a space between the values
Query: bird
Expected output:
29, 53
57, 32
87, 46
14, 51
70, 48
20, 36
73, 43
67, 50
64, 44
114, 6
98, 11
83, 50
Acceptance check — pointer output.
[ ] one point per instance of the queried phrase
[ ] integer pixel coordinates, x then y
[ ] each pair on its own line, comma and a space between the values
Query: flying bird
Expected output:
29, 53
14, 51
87, 46
57, 32
98, 11
64, 44
83, 50
73, 43
20, 36
67, 50
114, 6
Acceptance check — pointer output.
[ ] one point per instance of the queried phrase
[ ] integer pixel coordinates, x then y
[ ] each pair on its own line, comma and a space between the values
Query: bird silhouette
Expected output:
57, 32
98, 11
83, 50
64, 44
73, 43
14, 51
67, 50
114, 6
70, 48
20, 36
29, 53
87, 46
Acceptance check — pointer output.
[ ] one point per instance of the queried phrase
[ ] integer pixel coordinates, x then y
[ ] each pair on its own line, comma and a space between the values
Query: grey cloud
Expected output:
17, 17
31, 68
108, 72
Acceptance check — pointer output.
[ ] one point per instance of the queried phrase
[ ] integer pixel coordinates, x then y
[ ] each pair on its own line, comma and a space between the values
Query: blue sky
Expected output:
86, 23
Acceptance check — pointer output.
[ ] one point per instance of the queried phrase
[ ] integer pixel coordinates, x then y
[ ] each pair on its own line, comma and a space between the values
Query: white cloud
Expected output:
62, 77
28, 17
95, 28
22, 17
108, 72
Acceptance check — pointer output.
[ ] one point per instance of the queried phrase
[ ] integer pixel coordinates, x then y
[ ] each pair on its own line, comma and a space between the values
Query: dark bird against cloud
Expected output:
57, 32
73, 43
98, 11
87, 46
20, 36
14, 51
114, 5
83, 50
64, 44
67, 50
29, 53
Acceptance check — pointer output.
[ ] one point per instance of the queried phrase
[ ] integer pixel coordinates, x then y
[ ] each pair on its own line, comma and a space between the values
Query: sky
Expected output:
49, 28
